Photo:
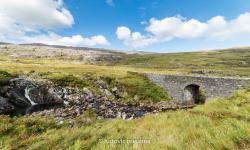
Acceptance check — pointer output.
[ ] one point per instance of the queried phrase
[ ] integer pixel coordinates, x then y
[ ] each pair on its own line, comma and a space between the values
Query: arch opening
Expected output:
194, 94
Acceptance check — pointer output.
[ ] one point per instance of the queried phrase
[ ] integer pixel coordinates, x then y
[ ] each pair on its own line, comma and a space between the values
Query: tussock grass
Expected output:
208, 126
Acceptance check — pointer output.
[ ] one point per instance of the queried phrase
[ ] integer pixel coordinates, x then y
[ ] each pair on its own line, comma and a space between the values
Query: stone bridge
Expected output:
198, 89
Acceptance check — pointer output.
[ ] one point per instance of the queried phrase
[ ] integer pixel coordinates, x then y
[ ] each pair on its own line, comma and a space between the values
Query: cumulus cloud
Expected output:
221, 29
19, 19
36, 14
179, 27
176, 27
135, 39
76, 40
123, 33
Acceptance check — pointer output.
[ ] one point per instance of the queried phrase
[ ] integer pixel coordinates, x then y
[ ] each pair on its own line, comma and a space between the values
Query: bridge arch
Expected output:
194, 94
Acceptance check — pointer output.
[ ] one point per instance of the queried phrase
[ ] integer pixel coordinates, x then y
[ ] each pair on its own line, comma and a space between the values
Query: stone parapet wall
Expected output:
213, 87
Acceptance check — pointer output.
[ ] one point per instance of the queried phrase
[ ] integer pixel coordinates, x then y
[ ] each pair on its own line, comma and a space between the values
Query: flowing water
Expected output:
27, 90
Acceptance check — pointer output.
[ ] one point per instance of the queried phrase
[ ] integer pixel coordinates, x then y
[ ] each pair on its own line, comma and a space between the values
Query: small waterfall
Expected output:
65, 92
27, 90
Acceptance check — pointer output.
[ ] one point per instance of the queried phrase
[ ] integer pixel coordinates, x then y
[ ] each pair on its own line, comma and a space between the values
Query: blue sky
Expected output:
104, 17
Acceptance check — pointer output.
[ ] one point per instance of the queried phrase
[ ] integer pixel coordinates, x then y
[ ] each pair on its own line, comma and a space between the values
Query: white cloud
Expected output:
110, 2
19, 19
35, 14
76, 40
221, 29
135, 39
123, 33
176, 27
179, 27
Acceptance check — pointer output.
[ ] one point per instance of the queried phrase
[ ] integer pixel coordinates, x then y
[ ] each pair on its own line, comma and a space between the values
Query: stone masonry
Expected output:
213, 87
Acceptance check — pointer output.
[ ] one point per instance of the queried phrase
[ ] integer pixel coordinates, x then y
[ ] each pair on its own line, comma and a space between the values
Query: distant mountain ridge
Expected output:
80, 48
4, 43
116, 50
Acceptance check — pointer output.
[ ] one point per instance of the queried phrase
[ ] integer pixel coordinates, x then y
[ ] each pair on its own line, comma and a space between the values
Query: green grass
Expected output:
140, 88
5, 74
133, 87
219, 124
231, 62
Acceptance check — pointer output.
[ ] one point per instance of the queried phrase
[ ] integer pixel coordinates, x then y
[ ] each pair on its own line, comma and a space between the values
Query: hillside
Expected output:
214, 62
229, 62
40, 51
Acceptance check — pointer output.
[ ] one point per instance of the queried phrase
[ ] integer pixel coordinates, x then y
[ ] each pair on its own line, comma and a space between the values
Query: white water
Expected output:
27, 90
66, 103
65, 93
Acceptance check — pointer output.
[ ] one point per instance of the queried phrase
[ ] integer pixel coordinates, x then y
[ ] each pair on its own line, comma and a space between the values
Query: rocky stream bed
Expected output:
25, 96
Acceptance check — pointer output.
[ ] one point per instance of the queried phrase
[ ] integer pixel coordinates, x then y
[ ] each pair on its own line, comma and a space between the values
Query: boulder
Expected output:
5, 106
32, 92
4, 82
29, 95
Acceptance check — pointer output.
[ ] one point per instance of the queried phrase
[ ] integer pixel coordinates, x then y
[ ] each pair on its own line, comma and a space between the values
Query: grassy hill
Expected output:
230, 62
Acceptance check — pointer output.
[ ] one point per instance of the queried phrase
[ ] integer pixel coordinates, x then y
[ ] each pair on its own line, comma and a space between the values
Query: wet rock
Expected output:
17, 98
5, 106
138, 113
4, 82
4, 90
24, 93
44, 95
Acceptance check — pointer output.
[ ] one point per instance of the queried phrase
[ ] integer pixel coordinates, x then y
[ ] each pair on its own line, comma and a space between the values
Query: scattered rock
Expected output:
119, 114
88, 94
101, 84
114, 89
107, 93
43, 98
